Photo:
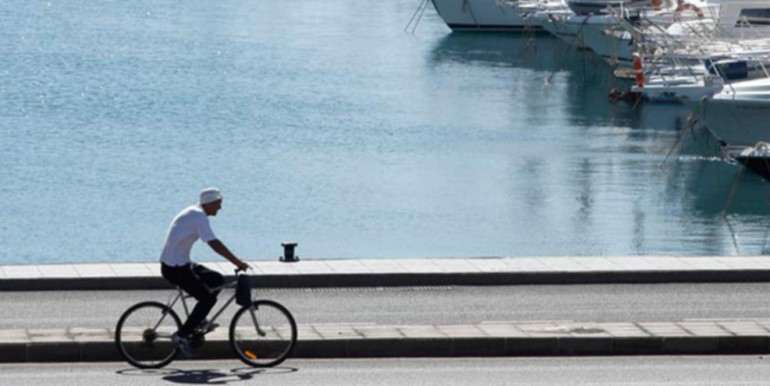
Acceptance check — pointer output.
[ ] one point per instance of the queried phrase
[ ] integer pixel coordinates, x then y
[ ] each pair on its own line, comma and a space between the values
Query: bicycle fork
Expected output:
252, 310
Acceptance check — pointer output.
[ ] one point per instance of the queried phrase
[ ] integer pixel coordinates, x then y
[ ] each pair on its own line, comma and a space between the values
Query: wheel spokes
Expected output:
265, 336
143, 335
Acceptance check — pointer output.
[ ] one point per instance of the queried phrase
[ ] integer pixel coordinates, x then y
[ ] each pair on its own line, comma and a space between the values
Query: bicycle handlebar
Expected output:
239, 270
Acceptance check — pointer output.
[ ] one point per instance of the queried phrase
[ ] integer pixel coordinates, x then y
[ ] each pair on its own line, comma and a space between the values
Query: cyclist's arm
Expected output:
221, 249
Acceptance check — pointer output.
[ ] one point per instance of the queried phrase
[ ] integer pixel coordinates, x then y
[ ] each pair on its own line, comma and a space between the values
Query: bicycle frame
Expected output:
181, 295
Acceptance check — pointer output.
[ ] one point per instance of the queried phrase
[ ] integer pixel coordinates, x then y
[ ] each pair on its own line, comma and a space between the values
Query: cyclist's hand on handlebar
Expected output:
243, 266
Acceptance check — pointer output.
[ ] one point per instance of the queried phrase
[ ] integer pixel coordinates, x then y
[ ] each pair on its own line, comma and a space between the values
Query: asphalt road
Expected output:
615, 371
425, 305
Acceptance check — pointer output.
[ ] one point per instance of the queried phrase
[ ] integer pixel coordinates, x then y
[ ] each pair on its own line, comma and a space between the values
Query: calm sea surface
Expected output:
325, 123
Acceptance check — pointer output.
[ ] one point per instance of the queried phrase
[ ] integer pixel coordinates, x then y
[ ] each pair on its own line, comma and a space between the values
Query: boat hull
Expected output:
754, 158
737, 123
610, 46
681, 94
481, 15
569, 33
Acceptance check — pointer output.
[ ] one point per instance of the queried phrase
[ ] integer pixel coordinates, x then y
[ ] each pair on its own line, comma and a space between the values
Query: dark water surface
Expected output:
326, 124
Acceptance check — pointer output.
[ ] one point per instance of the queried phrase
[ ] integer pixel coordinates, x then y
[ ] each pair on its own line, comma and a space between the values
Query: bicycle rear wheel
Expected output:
263, 334
143, 335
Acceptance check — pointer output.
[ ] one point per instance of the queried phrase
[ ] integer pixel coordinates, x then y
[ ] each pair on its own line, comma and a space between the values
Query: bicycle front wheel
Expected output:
143, 335
263, 334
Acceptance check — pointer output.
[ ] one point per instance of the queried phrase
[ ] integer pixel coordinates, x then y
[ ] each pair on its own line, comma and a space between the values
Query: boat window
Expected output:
754, 16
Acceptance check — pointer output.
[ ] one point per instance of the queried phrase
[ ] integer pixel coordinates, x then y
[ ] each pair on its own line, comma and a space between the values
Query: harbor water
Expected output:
326, 124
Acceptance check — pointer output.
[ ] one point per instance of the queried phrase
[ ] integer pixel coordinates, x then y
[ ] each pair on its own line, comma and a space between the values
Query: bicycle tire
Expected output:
271, 342
143, 332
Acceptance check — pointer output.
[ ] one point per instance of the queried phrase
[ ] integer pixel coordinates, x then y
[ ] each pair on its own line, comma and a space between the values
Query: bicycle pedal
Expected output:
208, 327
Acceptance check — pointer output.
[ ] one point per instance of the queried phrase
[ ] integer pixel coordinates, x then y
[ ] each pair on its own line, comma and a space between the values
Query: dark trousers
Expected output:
196, 280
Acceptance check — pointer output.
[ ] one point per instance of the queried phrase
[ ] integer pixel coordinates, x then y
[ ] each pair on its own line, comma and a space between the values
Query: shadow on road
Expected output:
207, 377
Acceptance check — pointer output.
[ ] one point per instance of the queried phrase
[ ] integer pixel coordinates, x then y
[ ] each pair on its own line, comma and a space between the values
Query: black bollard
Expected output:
288, 253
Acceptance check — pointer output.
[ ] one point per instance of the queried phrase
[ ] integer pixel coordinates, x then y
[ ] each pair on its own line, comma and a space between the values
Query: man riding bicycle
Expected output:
188, 226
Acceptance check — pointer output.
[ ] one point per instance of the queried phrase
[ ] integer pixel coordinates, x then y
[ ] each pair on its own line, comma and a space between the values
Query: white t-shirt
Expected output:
187, 227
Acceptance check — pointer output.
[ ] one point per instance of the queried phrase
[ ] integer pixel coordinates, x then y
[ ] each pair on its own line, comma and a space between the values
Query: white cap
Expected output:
210, 195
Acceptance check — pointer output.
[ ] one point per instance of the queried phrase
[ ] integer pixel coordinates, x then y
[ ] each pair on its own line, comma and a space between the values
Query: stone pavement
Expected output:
407, 272
484, 339
505, 338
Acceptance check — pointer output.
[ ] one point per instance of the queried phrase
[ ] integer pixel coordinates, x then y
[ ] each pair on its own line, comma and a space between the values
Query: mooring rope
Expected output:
414, 21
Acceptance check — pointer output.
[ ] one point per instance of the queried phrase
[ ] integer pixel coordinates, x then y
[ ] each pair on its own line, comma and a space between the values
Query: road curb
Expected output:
423, 347
403, 279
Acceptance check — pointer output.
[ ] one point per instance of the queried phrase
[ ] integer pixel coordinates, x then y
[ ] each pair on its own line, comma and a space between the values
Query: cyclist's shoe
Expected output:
182, 343
196, 340
205, 327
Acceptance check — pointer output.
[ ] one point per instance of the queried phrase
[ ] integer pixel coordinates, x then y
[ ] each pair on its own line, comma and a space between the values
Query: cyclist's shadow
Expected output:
209, 376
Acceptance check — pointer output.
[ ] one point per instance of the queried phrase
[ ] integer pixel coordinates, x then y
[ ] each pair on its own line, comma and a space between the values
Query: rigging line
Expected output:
528, 51
406, 27
727, 206
558, 64
529, 29
419, 18
767, 232
614, 48
583, 69
732, 191
691, 121
762, 65
680, 139
767, 194
467, 5
420, 6
500, 5
646, 112
579, 41
705, 125
637, 103
422, 14
734, 236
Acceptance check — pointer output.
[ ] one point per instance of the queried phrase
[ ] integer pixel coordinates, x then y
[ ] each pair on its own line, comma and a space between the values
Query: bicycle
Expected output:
262, 333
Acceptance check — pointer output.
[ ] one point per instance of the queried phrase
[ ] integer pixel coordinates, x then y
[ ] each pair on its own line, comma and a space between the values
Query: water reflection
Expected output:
584, 194
583, 79
710, 181
538, 52
727, 210
599, 166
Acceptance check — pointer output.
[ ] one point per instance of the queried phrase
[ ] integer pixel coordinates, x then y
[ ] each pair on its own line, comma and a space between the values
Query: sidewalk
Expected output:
485, 339
504, 338
406, 272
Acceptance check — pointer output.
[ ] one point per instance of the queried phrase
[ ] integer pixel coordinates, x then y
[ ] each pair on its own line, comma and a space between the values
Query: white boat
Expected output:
528, 8
705, 78
570, 24
686, 74
604, 34
690, 26
598, 7
680, 88
481, 15
617, 35
739, 113
552, 17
